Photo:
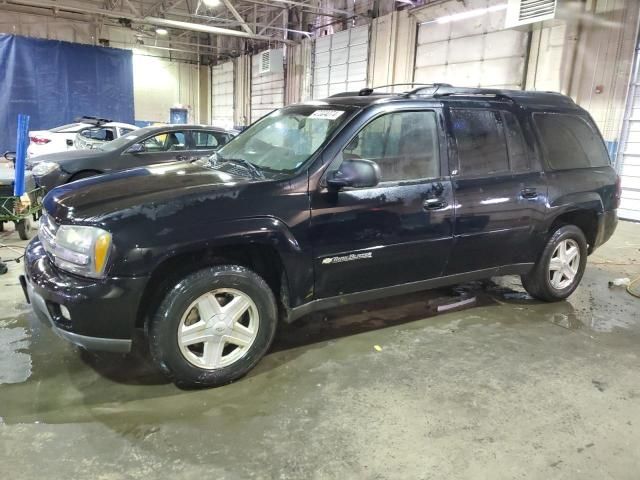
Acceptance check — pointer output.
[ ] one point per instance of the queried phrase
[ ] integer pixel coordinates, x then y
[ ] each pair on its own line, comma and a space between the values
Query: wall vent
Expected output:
524, 12
270, 61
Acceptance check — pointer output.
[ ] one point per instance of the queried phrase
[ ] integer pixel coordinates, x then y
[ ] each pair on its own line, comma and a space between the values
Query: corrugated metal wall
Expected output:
340, 62
222, 95
393, 49
299, 72
267, 90
473, 52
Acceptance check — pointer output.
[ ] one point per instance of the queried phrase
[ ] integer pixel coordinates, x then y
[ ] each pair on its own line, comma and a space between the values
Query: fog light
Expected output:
64, 311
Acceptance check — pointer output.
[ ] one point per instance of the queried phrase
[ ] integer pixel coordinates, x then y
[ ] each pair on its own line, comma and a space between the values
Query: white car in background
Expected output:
85, 133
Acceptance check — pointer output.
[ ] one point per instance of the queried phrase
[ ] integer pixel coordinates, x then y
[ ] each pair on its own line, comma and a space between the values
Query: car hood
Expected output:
130, 191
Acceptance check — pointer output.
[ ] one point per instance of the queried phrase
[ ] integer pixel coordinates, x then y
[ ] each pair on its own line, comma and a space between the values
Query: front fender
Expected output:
142, 259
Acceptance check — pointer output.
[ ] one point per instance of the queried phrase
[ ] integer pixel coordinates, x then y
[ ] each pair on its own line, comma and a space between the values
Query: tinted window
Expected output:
124, 131
480, 141
206, 140
99, 133
165, 142
570, 142
518, 158
403, 144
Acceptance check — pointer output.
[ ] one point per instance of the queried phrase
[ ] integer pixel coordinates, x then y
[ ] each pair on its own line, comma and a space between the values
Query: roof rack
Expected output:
445, 90
439, 90
364, 92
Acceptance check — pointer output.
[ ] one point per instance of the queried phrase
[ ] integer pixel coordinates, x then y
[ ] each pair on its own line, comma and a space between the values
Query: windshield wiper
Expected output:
253, 169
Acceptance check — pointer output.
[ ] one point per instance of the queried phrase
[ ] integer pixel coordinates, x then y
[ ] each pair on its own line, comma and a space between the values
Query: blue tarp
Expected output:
54, 82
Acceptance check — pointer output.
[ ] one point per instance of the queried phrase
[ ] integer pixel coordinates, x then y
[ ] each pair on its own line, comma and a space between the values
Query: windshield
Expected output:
128, 139
285, 139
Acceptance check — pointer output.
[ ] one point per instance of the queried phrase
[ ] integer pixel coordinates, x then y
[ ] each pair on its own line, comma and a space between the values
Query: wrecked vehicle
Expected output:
356, 197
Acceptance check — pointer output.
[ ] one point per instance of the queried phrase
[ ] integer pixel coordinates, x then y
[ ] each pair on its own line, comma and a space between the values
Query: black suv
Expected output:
355, 197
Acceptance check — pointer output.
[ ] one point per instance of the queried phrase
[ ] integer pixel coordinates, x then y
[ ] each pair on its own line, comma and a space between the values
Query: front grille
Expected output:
47, 234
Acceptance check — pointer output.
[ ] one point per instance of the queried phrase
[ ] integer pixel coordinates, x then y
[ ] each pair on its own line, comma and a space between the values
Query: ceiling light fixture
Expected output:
162, 31
467, 14
211, 3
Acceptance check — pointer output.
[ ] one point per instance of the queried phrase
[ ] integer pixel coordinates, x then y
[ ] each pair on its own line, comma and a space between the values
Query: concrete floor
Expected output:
509, 388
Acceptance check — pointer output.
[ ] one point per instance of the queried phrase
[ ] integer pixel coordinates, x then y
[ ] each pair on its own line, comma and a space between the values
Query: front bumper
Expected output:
103, 312
52, 179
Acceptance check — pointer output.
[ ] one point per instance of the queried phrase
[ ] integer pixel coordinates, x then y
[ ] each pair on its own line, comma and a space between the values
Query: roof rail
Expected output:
440, 90
444, 90
364, 92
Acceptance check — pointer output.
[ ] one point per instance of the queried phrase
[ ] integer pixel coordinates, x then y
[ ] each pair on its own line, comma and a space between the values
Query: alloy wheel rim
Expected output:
218, 328
564, 264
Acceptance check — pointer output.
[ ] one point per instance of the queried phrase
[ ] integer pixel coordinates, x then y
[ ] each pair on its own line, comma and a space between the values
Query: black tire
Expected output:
538, 282
164, 324
1, 226
25, 228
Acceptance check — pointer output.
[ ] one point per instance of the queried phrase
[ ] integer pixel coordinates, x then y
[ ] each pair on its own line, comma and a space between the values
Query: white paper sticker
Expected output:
326, 114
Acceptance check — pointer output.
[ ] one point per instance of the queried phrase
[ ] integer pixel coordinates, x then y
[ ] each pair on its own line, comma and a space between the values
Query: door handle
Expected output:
434, 204
529, 193
182, 157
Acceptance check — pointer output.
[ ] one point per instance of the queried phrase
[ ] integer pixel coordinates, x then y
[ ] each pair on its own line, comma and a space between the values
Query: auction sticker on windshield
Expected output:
326, 114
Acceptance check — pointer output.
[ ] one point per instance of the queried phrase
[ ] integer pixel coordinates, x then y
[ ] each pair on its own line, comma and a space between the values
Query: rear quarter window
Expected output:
569, 141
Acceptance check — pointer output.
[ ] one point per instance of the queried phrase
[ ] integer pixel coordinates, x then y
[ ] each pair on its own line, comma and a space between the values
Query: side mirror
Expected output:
10, 156
355, 172
136, 148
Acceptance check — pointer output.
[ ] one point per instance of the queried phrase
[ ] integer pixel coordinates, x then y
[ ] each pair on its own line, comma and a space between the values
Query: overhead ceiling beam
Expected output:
313, 10
310, 7
273, 20
199, 27
162, 22
133, 9
237, 16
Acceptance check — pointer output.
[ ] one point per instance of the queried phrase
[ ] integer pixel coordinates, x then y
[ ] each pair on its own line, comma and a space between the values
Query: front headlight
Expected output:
82, 250
43, 168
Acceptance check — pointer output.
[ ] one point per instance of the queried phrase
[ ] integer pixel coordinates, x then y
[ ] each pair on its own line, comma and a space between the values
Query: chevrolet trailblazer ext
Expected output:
351, 198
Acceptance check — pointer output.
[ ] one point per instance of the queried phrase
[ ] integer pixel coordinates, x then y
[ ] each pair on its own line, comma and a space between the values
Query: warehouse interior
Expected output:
477, 380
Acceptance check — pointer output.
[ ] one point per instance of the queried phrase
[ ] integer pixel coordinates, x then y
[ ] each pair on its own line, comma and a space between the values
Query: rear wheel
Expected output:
213, 326
25, 228
560, 268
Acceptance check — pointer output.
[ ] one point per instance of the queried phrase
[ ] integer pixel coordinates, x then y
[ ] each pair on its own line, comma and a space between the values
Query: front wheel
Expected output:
213, 326
25, 228
560, 267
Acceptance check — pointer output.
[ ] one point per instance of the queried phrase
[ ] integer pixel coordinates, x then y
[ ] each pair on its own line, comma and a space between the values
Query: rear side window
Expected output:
480, 142
204, 140
569, 141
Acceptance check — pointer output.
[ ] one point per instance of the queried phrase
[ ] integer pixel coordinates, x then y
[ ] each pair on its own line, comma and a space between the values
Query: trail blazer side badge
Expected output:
347, 258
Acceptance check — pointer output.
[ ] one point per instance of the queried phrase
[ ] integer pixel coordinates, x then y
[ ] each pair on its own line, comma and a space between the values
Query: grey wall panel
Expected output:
340, 62
267, 90
222, 83
473, 52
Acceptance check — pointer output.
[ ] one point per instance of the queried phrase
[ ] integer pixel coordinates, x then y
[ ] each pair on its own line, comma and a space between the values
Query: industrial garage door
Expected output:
222, 95
473, 52
340, 62
267, 89
629, 150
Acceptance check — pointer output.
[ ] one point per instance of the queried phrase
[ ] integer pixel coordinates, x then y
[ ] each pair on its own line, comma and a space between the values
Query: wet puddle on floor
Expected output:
43, 379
